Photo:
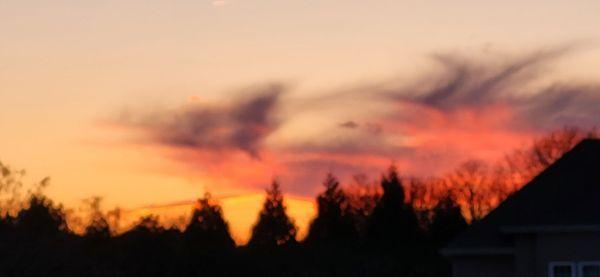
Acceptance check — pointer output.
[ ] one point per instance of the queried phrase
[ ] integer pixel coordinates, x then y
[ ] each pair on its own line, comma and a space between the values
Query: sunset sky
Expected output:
152, 103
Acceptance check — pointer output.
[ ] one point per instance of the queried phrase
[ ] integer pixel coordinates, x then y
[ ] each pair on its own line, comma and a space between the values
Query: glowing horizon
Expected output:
145, 103
240, 211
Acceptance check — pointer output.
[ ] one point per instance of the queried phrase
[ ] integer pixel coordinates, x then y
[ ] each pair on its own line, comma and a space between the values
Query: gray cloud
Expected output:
243, 125
464, 83
560, 105
349, 125
307, 174
371, 128
467, 83
377, 127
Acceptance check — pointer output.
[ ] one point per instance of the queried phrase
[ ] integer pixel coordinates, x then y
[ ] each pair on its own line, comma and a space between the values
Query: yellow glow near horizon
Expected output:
68, 65
241, 212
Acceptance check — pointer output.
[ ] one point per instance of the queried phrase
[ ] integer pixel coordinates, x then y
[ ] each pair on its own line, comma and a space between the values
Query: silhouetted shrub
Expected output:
41, 218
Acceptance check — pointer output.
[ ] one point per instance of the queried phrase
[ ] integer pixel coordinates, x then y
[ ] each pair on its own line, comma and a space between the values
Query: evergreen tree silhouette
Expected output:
274, 227
207, 228
393, 221
334, 220
447, 221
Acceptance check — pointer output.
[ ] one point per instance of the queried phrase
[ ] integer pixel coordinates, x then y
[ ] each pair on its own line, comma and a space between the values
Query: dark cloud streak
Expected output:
471, 107
477, 85
349, 125
242, 125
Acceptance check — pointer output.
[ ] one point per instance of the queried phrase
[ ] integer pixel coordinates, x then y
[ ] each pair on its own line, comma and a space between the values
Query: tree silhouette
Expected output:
41, 218
274, 227
391, 217
524, 163
147, 225
148, 248
334, 221
10, 186
393, 221
472, 183
363, 196
207, 228
98, 227
447, 221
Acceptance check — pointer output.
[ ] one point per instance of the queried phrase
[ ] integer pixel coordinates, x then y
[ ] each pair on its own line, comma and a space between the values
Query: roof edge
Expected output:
480, 251
526, 229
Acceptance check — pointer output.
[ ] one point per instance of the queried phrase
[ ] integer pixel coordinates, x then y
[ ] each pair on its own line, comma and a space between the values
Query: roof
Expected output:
564, 197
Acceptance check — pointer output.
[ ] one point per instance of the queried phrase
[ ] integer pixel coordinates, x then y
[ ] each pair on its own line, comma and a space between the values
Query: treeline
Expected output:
355, 236
392, 228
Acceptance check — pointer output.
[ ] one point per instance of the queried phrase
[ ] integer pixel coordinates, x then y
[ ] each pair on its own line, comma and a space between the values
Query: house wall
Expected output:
532, 256
534, 252
488, 266
525, 255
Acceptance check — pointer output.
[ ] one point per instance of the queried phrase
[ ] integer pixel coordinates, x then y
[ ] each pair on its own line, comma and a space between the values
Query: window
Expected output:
562, 269
589, 269
574, 269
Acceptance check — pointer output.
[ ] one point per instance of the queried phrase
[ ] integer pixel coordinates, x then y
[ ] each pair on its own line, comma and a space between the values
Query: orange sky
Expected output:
154, 102
240, 211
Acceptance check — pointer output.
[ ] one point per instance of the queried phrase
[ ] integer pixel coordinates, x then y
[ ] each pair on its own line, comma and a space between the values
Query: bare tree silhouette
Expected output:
98, 227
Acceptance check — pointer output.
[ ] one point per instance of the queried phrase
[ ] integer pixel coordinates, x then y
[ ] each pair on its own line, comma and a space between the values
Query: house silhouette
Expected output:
551, 227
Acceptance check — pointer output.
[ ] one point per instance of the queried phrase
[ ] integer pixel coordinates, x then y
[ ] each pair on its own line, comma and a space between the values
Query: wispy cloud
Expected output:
241, 125
467, 108
465, 84
349, 124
